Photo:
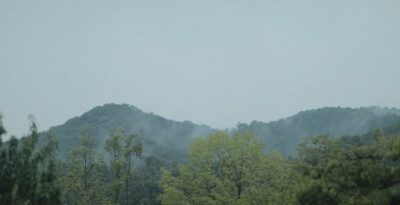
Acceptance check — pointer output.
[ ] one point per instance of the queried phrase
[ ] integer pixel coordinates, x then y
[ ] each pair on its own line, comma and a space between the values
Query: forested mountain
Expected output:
285, 134
100, 151
166, 139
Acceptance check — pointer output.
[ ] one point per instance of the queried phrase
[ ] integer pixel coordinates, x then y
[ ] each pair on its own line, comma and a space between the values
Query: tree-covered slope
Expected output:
160, 137
285, 134
368, 138
170, 139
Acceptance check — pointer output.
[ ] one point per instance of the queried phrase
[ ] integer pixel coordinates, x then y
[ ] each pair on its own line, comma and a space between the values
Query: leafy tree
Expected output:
131, 152
338, 173
83, 182
223, 169
389, 148
122, 152
28, 176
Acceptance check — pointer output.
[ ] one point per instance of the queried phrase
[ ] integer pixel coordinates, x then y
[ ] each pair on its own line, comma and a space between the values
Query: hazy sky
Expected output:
212, 62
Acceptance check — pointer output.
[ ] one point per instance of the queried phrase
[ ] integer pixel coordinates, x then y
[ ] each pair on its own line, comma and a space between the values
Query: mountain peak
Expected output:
153, 130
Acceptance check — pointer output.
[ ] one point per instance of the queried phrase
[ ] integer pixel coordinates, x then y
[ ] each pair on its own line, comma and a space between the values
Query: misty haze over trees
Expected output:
199, 102
118, 154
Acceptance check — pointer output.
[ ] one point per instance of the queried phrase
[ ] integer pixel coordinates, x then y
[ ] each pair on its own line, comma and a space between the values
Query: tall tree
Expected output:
122, 152
131, 152
83, 182
27, 175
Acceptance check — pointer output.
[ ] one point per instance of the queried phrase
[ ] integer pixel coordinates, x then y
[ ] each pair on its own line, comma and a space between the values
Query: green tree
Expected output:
131, 152
145, 188
83, 182
338, 173
223, 169
27, 175
122, 151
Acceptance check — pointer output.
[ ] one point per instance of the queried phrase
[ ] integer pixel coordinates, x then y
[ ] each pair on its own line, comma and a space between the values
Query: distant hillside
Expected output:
164, 138
368, 138
170, 140
284, 135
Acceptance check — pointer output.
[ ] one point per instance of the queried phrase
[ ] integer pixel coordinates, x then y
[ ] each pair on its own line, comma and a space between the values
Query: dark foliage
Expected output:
28, 176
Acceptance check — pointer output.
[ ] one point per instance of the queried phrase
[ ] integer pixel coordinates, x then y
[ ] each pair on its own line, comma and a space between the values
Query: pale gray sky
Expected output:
212, 62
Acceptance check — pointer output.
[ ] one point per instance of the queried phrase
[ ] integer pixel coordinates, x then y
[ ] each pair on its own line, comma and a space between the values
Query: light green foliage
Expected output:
225, 169
115, 151
122, 152
28, 176
131, 151
318, 150
83, 182
279, 181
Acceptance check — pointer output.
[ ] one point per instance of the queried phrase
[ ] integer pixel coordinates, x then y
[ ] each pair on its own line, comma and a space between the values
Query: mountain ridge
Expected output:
284, 134
167, 138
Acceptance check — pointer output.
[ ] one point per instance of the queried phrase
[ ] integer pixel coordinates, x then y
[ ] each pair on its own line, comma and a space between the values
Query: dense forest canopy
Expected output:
117, 154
